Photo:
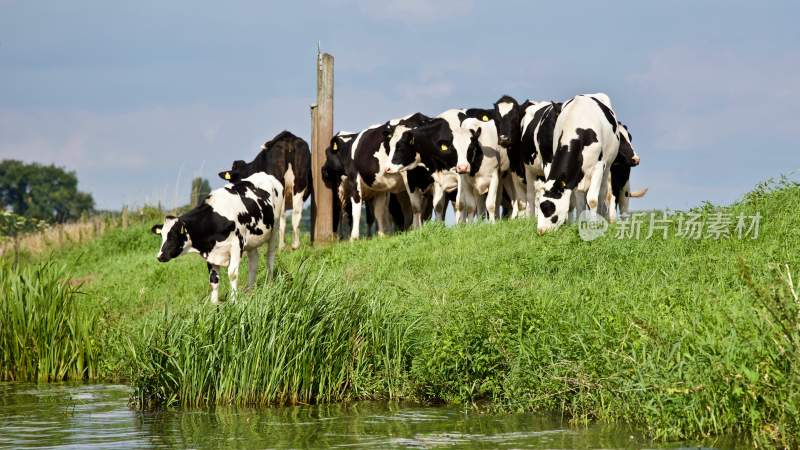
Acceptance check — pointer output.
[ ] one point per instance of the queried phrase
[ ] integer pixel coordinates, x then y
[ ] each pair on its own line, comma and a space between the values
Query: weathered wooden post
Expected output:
321, 133
124, 217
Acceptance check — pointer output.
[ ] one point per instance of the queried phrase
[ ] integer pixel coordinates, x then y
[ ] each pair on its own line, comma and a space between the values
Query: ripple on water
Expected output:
70, 416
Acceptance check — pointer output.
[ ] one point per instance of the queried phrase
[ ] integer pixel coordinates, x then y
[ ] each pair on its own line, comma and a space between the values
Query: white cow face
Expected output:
552, 206
467, 145
175, 239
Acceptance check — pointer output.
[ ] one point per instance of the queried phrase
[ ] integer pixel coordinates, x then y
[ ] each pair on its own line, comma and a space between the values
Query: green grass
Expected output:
46, 327
682, 338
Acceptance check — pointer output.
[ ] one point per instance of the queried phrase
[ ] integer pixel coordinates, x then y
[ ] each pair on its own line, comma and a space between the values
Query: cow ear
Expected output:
225, 175
156, 229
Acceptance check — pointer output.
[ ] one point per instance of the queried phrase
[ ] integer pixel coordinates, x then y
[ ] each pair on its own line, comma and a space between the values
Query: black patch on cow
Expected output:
476, 113
274, 159
428, 140
566, 169
213, 276
510, 126
365, 163
626, 153
419, 179
545, 131
257, 211
620, 174
554, 219
548, 208
206, 227
474, 154
608, 113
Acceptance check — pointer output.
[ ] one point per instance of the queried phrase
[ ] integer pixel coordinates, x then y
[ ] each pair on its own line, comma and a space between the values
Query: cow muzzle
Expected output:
391, 169
503, 140
162, 258
462, 168
635, 160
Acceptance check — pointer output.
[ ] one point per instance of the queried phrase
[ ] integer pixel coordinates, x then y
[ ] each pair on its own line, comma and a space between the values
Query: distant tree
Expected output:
42, 192
200, 190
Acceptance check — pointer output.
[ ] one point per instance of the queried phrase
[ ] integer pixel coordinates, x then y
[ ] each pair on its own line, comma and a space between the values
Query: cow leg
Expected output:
272, 247
439, 201
596, 185
491, 196
521, 194
282, 227
252, 267
356, 213
531, 191
461, 204
297, 215
233, 270
611, 204
577, 204
416, 207
507, 185
213, 279
379, 203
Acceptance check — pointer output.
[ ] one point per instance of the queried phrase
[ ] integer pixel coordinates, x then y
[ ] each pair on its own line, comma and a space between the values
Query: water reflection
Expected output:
97, 416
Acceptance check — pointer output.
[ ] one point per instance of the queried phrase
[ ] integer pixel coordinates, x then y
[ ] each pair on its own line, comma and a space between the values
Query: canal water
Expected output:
70, 416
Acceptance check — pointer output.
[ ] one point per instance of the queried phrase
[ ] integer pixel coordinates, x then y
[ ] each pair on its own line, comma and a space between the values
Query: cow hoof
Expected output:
295, 246
592, 204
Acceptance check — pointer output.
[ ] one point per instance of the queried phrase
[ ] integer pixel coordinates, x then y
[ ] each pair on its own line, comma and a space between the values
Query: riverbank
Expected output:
684, 338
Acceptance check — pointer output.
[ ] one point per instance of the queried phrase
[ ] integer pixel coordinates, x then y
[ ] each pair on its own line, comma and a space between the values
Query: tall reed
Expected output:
46, 331
296, 340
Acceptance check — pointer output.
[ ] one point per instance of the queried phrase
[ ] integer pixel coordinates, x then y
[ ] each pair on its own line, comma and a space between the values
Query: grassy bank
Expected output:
685, 338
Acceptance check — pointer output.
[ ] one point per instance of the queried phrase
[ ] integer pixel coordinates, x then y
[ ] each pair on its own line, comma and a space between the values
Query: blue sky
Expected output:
139, 97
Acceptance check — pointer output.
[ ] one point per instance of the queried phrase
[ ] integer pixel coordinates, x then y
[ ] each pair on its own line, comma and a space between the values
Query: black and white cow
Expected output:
619, 189
432, 145
364, 161
508, 117
235, 219
287, 158
586, 142
480, 172
536, 147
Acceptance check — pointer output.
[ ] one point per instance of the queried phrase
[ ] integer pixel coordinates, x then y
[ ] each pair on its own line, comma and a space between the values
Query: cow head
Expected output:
175, 239
399, 135
553, 199
238, 171
626, 155
508, 117
334, 168
404, 154
468, 147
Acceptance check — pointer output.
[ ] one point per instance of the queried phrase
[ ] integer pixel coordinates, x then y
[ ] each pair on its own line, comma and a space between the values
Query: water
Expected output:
68, 416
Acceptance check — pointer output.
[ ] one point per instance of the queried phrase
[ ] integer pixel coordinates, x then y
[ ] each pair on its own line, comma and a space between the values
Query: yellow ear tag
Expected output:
444, 147
158, 230
412, 140
485, 118
563, 183
335, 147
183, 229
227, 175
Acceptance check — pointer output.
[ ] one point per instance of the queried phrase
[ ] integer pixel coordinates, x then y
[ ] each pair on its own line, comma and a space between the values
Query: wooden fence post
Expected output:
124, 217
322, 132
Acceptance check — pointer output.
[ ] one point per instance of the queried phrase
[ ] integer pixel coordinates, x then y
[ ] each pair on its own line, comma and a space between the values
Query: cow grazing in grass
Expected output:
235, 219
619, 190
432, 146
287, 158
586, 142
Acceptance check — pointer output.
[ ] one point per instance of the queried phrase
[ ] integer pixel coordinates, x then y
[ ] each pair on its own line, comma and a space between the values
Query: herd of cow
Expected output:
547, 160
